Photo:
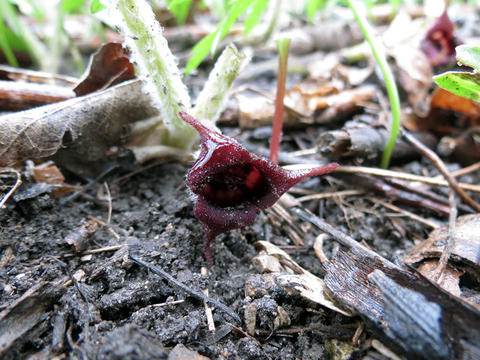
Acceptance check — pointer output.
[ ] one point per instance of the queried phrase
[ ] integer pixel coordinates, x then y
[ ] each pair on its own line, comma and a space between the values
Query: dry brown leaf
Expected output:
108, 66
76, 133
466, 252
444, 99
303, 283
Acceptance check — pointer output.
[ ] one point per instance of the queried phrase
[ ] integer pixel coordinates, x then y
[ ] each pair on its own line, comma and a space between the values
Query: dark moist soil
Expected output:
127, 316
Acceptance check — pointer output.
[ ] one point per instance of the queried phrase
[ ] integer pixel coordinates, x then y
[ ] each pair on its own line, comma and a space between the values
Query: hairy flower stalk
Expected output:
214, 96
156, 64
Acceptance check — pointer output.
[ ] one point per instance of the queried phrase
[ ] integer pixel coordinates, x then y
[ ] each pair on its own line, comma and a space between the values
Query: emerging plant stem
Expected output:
157, 67
156, 64
215, 94
283, 46
378, 53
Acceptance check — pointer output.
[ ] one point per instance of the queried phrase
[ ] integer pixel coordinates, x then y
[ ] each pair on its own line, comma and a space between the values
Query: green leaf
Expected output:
5, 45
256, 10
312, 6
72, 6
469, 55
210, 42
464, 84
200, 52
179, 9
96, 6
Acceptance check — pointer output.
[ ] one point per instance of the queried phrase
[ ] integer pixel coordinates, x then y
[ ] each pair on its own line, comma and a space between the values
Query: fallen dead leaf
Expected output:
76, 133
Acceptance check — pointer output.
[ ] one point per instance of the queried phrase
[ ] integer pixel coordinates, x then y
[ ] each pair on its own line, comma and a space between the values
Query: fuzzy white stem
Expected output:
143, 35
214, 96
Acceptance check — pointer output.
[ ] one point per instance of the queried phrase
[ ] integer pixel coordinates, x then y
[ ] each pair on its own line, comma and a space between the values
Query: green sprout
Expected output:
283, 46
392, 90
462, 83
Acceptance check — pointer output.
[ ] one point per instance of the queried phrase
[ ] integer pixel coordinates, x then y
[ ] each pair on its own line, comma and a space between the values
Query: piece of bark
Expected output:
412, 316
23, 314
449, 279
369, 142
75, 133
17, 96
82, 235
36, 77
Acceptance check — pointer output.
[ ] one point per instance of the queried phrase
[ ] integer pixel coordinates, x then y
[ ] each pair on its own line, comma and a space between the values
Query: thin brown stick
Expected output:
406, 213
450, 243
95, 251
107, 189
388, 173
440, 165
15, 187
464, 171
106, 225
208, 309
330, 194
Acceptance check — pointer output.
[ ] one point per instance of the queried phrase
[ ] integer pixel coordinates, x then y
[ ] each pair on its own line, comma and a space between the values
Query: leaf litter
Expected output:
117, 302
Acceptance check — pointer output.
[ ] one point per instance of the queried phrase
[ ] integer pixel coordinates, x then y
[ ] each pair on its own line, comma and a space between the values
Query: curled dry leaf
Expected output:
76, 133
50, 174
81, 236
108, 66
466, 252
273, 260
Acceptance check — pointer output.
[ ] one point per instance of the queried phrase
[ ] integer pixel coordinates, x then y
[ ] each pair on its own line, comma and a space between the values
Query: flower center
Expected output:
235, 186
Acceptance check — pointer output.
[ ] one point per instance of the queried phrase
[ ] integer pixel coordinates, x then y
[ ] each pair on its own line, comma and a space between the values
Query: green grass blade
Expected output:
257, 9
5, 45
392, 90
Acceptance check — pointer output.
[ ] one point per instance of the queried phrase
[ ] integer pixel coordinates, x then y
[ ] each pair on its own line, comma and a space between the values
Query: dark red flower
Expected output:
440, 42
232, 184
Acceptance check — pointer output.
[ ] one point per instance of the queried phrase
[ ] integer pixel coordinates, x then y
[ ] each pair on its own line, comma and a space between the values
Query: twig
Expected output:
406, 213
15, 187
70, 275
189, 291
95, 251
318, 248
338, 235
392, 174
167, 303
107, 189
382, 349
463, 171
331, 194
440, 165
450, 243
138, 171
106, 225
208, 309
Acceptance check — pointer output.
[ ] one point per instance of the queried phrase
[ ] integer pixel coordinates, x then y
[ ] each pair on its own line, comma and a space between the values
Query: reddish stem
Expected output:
283, 46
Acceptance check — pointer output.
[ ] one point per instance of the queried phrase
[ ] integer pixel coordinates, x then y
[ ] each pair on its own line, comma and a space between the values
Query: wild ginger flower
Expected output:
231, 184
